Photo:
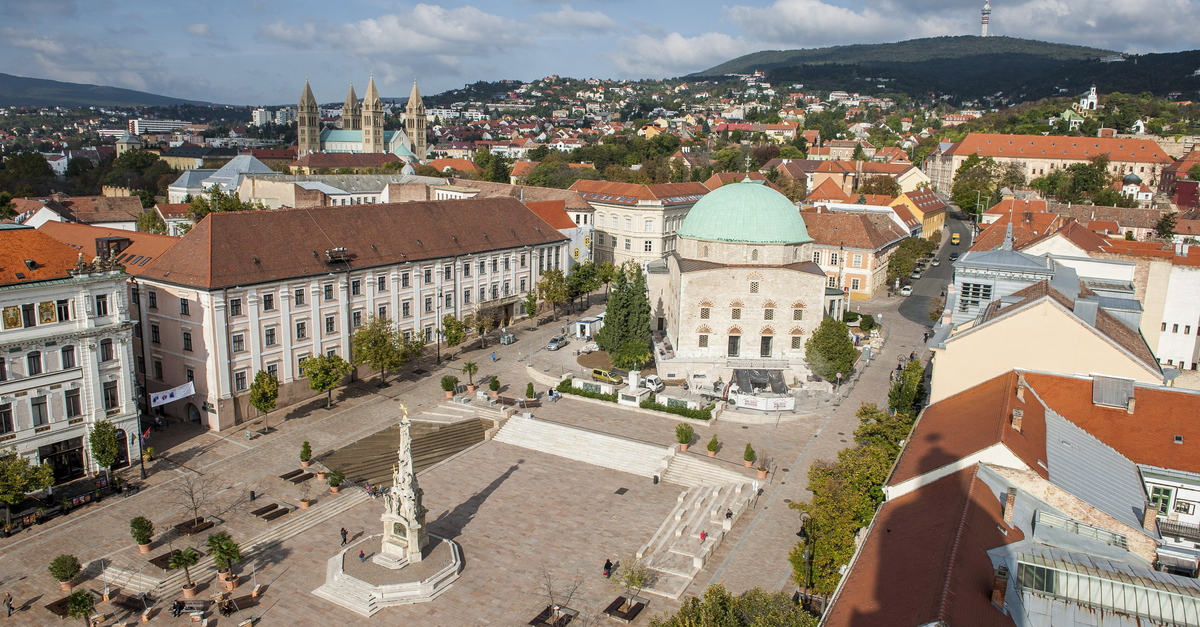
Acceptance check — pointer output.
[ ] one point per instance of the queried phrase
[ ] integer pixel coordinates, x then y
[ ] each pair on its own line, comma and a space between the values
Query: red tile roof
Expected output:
854, 230
462, 165
632, 193
51, 258
925, 560
554, 212
925, 200
229, 249
143, 247
1057, 147
1026, 227
343, 160
828, 191
970, 421
719, 179
173, 210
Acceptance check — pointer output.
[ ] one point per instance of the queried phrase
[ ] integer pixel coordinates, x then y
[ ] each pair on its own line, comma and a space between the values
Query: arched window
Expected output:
705, 253
754, 255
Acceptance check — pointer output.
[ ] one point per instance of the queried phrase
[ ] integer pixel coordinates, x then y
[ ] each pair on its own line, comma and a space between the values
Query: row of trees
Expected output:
846, 492
905, 257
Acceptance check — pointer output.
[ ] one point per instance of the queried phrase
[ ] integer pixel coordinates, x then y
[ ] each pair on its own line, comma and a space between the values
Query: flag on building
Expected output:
173, 394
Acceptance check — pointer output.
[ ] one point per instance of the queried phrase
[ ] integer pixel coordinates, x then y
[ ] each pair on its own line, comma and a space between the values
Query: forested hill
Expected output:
971, 67
20, 91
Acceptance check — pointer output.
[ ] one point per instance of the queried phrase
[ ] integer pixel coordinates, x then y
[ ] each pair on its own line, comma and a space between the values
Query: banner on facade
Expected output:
173, 394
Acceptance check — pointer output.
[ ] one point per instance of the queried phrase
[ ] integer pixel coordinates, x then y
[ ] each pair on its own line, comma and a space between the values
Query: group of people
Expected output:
224, 606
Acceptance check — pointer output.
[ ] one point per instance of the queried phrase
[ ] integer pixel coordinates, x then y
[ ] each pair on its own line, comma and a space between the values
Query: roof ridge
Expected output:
962, 521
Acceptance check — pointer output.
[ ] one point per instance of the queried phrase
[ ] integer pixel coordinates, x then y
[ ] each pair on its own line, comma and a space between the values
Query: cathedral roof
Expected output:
748, 212
307, 97
372, 93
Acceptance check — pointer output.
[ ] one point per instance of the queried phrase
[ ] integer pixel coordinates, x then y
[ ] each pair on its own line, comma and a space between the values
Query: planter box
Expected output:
632, 396
637, 604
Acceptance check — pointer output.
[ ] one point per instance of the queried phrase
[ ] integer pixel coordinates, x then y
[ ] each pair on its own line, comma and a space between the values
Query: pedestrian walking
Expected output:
608, 568
343, 536
362, 557
925, 337
493, 356
8, 603
912, 355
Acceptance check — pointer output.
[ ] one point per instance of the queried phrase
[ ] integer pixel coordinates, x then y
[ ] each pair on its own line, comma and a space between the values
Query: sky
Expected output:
260, 51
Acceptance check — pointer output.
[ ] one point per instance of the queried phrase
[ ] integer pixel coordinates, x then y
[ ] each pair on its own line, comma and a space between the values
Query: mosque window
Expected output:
736, 314
797, 342
703, 341
768, 314
705, 252
797, 314
754, 287
704, 312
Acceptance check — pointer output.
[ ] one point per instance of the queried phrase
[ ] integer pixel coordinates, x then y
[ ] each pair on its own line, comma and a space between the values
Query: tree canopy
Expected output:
324, 373
105, 443
626, 333
830, 350
378, 345
18, 476
754, 608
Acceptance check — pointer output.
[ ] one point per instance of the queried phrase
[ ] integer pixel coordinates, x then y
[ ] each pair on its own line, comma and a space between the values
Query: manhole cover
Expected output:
622, 490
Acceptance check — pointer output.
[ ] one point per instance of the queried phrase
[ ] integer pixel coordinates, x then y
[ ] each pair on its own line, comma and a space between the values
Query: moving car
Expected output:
607, 376
937, 262
906, 290
953, 256
556, 343
955, 239
653, 383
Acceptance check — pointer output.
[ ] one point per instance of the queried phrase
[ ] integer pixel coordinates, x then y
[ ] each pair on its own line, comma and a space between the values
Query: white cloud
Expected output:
68, 57
673, 55
199, 29
794, 24
569, 19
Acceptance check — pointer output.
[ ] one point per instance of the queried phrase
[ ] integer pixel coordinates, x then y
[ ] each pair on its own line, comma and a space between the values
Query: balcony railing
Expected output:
1176, 529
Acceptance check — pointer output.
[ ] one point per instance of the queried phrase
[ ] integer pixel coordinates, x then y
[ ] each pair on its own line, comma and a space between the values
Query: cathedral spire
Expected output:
352, 112
372, 120
308, 123
414, 98
415, 123
372, 93
307, 97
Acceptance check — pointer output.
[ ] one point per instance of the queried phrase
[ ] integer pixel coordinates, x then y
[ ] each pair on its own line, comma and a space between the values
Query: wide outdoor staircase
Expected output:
121, 574
600, 449
370, 459
676, 553
686, 469
351, 593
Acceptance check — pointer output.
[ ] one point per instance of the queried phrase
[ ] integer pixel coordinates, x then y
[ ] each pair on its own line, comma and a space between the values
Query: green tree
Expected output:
583, 280
859, 153
790, 152
7, 209
626, 332
830, 350
1165, 227
264, 392
324, 373
378, 345
224, 551
215, 201
605, 272
754, 608
185, 559
530, 305
482, 321
454, 331
974, 183
880, 184
1193, 173
553, 289
150, 222
137, 160
19, 477
81, 604
907, 389
105, 444
26, 170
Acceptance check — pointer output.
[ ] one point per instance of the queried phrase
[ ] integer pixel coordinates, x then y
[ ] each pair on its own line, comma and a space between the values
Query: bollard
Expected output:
252, 495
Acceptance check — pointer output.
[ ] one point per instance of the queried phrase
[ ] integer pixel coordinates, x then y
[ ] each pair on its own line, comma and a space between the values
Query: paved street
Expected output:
517, 513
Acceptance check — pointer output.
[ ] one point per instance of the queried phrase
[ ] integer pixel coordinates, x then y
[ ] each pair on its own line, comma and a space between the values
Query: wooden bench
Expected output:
262, 510
287, 476
135, 604
529, 402
194, 605
301, 478
275, 513
247, 601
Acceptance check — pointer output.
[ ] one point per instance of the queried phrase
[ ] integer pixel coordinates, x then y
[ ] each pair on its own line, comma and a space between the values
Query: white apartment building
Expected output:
637, 222
66, 354
250, 291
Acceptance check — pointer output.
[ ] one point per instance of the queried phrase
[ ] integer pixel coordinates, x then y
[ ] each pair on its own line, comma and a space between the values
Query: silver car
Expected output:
556, 343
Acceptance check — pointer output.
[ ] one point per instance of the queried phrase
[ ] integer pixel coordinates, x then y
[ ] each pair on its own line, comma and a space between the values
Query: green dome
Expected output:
748, 212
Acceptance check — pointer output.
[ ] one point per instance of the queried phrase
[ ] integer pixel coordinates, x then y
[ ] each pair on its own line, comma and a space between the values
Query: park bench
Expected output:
301, 478
287, 476
275, 513
262, 510
134, 603
529, 402
194, 605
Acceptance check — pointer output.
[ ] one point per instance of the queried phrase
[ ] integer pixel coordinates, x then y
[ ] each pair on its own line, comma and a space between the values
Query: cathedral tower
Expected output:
372, 121
352, 112
308, 124
415, 122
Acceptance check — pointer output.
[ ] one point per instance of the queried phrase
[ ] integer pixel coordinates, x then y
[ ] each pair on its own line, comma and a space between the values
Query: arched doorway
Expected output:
193, 413
122, 450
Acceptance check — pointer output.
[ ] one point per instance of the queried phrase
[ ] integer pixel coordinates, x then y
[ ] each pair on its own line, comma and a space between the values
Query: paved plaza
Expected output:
518, 514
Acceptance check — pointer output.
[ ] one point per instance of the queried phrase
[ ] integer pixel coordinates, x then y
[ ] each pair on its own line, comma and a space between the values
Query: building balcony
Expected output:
1181, 532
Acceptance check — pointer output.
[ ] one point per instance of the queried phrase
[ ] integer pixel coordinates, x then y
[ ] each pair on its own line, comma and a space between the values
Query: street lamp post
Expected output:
437, 328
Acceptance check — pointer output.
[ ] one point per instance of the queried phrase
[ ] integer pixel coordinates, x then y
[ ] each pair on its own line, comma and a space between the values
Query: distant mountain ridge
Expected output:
971, 67
21, 91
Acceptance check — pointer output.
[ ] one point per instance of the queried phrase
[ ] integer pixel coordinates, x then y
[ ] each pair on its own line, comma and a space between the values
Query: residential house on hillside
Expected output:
224, 302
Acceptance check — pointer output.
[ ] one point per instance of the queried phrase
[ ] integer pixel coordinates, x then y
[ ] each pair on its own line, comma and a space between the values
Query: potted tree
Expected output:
304, 500
225, 553
684, 434
713, 445
186, 559
449, 384
142, 531
529, 393
469, 369
148, 454
633, 577
305, 454
494, 386
64, 569
748, 456
81, 604
335, 480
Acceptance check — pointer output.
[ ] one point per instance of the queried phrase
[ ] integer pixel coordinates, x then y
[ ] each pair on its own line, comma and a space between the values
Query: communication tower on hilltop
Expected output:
985, 14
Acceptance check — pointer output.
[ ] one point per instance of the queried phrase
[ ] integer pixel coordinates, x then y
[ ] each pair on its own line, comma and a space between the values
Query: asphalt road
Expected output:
933, 282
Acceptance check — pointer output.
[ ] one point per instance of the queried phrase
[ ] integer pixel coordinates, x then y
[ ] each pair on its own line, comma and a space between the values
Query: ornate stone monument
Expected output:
404, 534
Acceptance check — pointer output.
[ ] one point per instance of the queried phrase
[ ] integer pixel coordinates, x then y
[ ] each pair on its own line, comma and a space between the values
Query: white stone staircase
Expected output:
294, 524
608, 451
348, 592
686, 469
675, 552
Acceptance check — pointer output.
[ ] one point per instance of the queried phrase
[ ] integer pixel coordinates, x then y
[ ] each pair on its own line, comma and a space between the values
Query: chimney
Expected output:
1021, 385
1130, 404
1010, 499
1149, 516
999, 586
1018, 415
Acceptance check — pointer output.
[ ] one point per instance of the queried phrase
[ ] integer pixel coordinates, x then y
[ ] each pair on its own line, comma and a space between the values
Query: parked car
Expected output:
936, 261
916, 274
906, 290
653, 383
953, 256
606, 376
556, 343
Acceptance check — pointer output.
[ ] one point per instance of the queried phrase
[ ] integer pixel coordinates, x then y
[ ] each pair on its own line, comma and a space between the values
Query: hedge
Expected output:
698, 414
565, 387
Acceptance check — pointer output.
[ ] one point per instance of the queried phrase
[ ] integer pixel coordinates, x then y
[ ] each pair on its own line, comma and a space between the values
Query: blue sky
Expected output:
259, 51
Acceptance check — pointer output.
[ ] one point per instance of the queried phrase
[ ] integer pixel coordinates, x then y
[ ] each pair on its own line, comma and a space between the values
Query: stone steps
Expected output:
296, 524
599, 449
370, 460
687, 469
347, 592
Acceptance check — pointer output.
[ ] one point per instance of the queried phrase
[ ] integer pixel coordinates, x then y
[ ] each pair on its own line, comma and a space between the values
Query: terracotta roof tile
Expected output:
828, 191
143, 247
554, 212
488, 189
51, 258
1057, 147
854, 230
632, 193
343, 160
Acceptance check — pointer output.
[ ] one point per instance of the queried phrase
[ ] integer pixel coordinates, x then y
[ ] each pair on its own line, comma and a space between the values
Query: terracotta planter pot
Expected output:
231, 584
762, 474
712, 453
224, 575
449, 393
306, 464
189, 591
683, 448
749, 464
305, 504
143, 548
65, 585
333, 489
321, 475
470, 387
495, 393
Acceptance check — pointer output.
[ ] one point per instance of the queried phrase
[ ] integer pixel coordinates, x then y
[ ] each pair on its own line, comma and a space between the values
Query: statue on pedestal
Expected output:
404, 534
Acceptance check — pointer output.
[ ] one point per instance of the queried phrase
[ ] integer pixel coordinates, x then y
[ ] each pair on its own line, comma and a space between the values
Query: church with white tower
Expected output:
362, 126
